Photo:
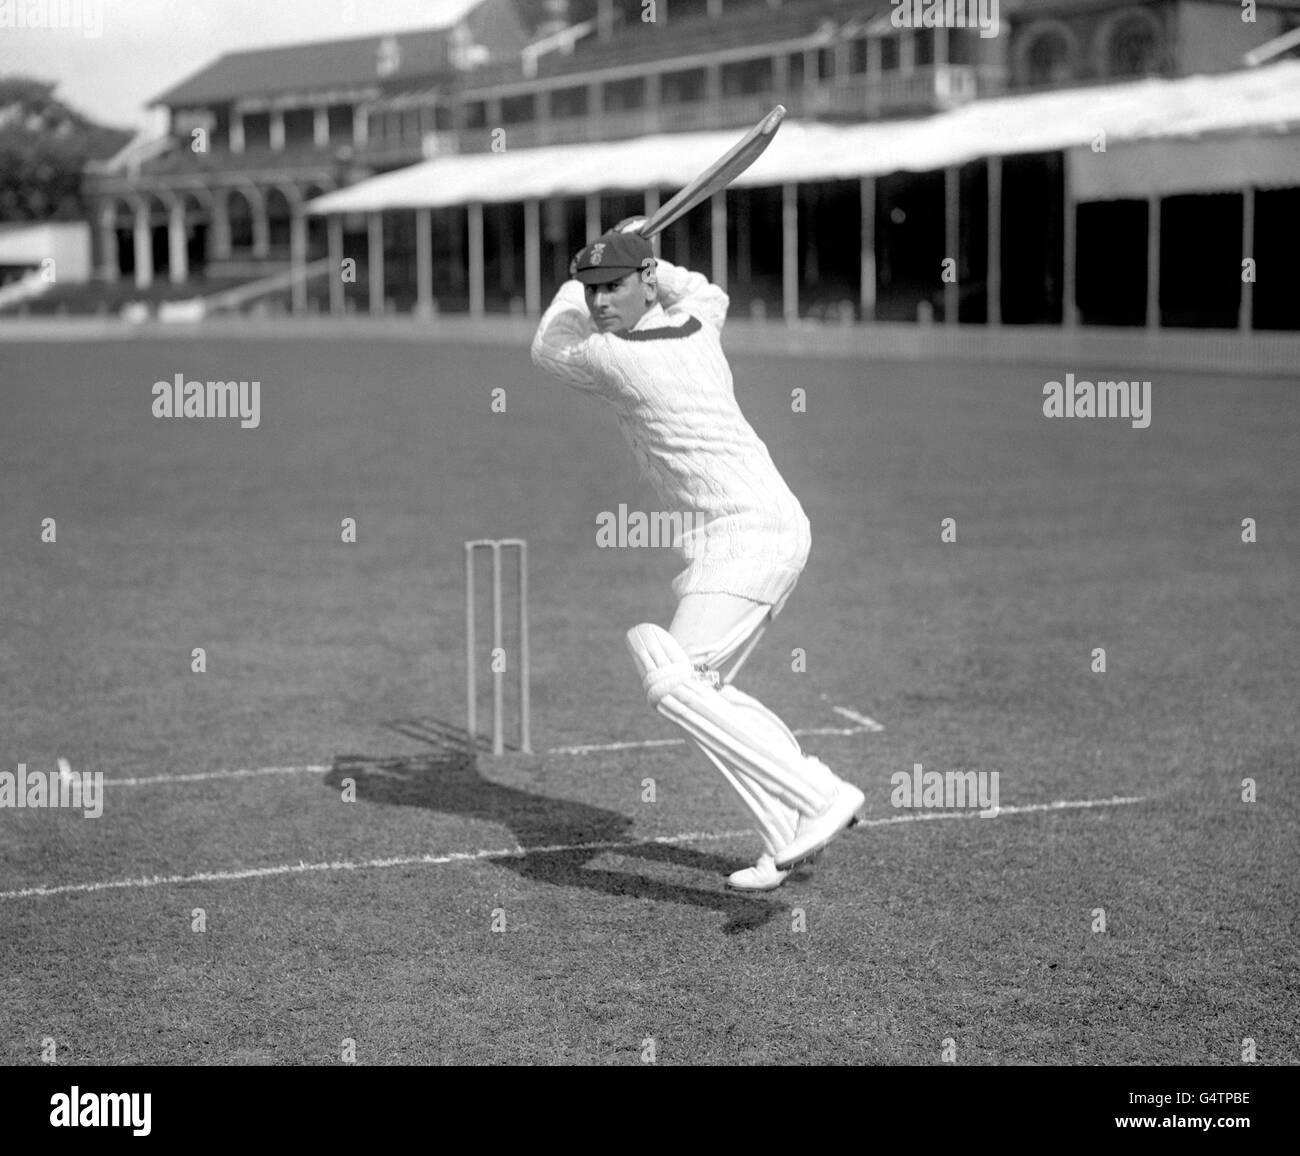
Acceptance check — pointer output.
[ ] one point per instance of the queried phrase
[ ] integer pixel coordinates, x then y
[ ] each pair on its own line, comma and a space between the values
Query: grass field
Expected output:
373, 920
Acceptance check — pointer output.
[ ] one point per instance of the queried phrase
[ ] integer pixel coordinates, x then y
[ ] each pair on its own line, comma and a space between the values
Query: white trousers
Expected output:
718, 632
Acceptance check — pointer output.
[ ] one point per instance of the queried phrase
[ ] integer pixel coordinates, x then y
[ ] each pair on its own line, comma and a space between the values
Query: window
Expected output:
889, 54
566, 102
625, 95
517, 109
1047, 58
683, 87
1133, 45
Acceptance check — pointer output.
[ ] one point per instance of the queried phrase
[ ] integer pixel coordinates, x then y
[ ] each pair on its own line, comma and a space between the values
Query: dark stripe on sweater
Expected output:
667, 332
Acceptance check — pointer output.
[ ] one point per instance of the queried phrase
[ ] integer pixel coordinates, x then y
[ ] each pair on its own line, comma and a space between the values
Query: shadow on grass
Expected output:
559, 837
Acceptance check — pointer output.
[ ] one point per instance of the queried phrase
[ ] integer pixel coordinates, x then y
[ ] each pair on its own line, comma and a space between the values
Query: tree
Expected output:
44, 146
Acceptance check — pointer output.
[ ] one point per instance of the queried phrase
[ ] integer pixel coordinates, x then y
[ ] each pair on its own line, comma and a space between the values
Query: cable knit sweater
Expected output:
671, 388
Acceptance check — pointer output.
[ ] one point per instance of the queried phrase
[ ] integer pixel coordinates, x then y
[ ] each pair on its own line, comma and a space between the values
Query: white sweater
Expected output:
671, 388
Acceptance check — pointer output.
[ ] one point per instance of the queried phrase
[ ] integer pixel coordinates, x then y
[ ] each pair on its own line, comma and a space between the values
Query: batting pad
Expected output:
775, 821
753, 743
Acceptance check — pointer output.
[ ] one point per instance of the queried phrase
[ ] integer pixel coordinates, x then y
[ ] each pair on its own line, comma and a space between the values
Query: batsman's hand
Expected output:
631, 225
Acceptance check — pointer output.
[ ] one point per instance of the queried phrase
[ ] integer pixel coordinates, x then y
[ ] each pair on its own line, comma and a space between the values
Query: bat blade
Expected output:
718, 175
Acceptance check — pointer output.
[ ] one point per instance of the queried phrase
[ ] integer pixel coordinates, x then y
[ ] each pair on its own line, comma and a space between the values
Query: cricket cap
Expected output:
610, 257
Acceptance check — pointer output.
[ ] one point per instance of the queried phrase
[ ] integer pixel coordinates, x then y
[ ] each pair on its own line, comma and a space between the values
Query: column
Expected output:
261, 226
334, 231
532, 257
712, 83
867, 262
476, 289
1245, 320
952, 240
424, 262
360, 126
790, 253
375, 261
654, 100
781, 75
298, 259
143, 247
593, 217
1068, 319
321, 127
277, 130
236, 131
110, 265
220, 241
718, 237
1153, 261
993, 286
177, 257
542, 116
906, 52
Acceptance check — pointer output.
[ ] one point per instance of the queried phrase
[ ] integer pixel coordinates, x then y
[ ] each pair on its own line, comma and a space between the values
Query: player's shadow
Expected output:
558, 837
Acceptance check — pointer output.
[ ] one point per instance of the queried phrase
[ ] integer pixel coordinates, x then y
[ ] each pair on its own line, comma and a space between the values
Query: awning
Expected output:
1262, 103
1165, 168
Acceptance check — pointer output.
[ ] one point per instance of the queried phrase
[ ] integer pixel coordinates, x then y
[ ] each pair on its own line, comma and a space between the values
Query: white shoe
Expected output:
812, 834
763, 876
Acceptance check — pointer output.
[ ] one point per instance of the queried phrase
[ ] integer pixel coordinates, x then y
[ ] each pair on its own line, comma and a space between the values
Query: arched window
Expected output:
1132, 45
1048, 55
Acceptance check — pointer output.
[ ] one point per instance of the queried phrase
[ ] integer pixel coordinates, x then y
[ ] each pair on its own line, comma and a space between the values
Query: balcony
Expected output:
932, 88
926, 89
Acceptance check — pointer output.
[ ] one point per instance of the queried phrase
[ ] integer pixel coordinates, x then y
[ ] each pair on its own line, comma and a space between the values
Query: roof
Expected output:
327, 64
678, 36
1263, 101
503, 26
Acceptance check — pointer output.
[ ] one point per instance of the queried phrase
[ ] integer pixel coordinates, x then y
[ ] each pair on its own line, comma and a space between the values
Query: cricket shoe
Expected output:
763, 876
813, 833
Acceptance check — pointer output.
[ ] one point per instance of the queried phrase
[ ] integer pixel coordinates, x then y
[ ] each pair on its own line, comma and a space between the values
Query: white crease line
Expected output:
869, 724
1027, 809
581, 749
314, 769
302, 868
592, 748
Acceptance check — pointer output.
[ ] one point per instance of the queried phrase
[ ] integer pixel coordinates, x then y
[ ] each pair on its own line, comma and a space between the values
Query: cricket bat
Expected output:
718, 175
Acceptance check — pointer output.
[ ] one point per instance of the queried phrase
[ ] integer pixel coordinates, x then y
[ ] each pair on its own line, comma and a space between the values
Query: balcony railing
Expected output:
930, 88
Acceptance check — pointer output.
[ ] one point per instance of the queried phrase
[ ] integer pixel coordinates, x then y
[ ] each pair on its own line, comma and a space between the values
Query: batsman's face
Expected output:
619, 305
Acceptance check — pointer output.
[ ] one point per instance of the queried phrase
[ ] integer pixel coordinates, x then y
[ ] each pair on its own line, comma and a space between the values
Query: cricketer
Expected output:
644, 334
